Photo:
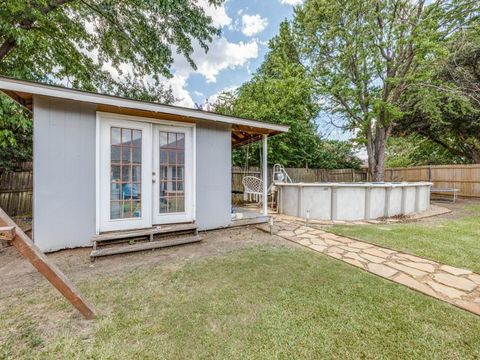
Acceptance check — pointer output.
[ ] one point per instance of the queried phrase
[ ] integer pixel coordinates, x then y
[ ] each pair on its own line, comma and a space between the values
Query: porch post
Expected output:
265, 175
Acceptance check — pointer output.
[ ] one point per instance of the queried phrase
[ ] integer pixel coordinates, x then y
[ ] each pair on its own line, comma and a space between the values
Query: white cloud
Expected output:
253, 24
178, 83
222, 55
217, 13
291, 2
213, 98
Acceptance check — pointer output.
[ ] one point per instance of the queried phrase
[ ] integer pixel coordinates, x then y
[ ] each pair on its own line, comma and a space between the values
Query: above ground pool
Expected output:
352, 201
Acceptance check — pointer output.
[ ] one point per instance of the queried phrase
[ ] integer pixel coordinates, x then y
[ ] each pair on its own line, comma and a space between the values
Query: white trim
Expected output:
129, 121
189, 190
265, 175
194, 175
97, 173
116, 116
105, 223
94, 98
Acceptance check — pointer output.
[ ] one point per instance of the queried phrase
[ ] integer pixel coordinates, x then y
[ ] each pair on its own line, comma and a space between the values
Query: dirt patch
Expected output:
17, 274
459, 209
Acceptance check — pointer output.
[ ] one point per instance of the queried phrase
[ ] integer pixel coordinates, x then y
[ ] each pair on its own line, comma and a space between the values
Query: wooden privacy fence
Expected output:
16, 187
465, 177
16, 190
297, 175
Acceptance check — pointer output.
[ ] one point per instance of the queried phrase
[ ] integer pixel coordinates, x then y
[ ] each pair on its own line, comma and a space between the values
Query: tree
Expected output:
77, 42
279, 92
15, 134
417, 150
44, 39
446, 108
282, 92
364, 54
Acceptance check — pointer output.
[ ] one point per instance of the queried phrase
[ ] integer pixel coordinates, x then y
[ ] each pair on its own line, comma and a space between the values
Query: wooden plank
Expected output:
117, 235
251, 221
145, 246
7, 233
49, 270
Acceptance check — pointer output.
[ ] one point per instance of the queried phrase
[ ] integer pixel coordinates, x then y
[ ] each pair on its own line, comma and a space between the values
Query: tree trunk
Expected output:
475, 155
376, 152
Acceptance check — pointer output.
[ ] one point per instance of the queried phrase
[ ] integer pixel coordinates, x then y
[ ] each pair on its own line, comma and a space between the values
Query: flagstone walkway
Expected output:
456, 286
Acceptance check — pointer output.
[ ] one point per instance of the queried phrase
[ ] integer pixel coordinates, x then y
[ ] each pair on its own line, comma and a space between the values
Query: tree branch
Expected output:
27, 24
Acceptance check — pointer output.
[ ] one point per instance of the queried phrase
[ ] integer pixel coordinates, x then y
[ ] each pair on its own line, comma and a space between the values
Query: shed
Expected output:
105, 163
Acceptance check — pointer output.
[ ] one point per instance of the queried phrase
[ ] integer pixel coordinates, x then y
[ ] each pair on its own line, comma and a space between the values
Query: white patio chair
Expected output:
252, 188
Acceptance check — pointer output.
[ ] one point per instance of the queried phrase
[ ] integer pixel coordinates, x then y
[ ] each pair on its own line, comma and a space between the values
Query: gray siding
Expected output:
63, 173
213, 181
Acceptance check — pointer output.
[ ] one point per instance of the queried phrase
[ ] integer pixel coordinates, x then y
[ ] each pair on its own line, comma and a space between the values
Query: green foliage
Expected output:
281, 92
15, 134
55, 39
415, 150
78, 42
364, 54
446, 108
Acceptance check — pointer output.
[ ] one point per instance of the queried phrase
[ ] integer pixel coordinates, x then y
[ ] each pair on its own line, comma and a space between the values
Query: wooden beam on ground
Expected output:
7, 233
49, 270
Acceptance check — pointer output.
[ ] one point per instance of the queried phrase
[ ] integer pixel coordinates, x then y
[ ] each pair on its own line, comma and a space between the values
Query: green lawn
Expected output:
453, 242
260, 303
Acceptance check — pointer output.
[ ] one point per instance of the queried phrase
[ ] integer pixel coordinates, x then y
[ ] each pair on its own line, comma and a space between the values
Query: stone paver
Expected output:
414, 284
406, 269
376, 252
374, 259
446, 290
419, 265
455, 271
460, 287
455, 281
381, 270
475, 278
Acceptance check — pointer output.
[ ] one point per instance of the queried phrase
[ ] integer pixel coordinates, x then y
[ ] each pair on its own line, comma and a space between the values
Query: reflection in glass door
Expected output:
124, 174
173, 164
172, 170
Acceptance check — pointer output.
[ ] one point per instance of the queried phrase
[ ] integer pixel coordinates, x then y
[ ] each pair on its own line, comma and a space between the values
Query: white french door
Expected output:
172, 174
145, 173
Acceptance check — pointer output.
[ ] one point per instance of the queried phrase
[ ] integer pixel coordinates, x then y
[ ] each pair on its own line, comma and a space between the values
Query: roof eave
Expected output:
9, 85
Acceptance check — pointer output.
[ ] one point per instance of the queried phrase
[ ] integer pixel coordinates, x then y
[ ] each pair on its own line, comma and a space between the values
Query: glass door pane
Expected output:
172, 170
125, 173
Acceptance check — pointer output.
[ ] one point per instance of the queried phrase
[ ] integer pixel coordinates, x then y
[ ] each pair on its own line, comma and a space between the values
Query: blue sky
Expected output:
246, 28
